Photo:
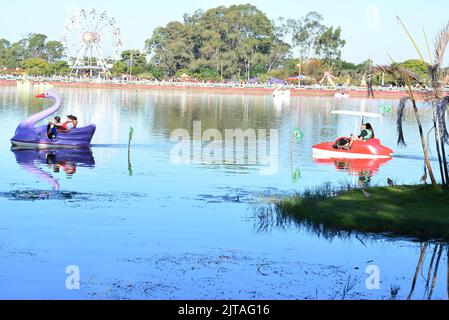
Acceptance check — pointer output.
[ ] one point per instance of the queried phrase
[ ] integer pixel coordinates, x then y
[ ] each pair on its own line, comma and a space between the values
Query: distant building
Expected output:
13, 71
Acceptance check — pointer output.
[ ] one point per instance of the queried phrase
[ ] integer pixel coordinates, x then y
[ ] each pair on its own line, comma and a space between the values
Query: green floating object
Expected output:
296, 175
131, 132
298, 134
386, 108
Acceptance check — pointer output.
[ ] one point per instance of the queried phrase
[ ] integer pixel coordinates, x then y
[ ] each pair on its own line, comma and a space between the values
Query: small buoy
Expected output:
386, 108
298, 134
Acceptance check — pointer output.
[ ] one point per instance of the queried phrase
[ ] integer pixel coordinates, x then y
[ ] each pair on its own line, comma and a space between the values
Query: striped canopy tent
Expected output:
296, 78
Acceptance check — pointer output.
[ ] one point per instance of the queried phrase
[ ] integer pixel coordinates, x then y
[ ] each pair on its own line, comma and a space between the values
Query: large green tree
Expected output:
236, 41
329, 44
171, 47
307, 32
54, 51
135, 62
32, 46
37, 46
36, 66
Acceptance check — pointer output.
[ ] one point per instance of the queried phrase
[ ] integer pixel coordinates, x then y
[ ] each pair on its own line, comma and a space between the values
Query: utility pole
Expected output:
131, 67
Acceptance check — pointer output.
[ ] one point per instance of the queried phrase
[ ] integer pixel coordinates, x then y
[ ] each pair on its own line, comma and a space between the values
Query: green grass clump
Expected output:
409, 211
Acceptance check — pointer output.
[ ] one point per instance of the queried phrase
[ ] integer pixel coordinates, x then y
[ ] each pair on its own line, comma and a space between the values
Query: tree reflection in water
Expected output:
267, 218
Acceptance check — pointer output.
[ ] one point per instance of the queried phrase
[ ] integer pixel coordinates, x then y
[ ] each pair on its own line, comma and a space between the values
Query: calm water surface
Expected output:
154, 230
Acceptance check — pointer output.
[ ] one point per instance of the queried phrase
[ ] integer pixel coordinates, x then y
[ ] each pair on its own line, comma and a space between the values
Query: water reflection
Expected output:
428, 280
47, 164
427, 276
364, 169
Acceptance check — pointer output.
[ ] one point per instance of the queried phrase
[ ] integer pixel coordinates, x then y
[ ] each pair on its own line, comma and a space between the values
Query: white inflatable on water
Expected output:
281, 96
341, 95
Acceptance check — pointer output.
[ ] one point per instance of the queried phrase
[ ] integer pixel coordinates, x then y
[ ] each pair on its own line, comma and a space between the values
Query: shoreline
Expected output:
410, 211
181, 87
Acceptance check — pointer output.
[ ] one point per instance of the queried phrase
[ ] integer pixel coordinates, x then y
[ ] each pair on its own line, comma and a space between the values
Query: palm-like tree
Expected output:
434, 97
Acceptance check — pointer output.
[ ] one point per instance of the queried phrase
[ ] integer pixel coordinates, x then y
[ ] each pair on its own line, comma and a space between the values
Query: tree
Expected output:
418, 67
4, 44
308, 31
135, 62
283, 28
119, 68
33, 46
36, 46
6, 57
54, 50
329, 44
19, 52
236, 41
157, 72
171, 47
36, 66
434, 96
60, 68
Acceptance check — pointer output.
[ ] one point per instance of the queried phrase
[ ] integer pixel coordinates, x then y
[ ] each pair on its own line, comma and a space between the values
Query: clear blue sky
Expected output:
369, 27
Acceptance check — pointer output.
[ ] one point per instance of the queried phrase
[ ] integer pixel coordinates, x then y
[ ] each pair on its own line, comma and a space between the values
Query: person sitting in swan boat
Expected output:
69, 125
52, 128
57, 126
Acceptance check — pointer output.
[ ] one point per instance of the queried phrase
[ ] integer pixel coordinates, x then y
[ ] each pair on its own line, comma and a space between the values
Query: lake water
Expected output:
151, 229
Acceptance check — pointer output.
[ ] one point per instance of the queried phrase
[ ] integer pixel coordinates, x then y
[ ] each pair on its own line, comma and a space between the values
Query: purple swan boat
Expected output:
29, 135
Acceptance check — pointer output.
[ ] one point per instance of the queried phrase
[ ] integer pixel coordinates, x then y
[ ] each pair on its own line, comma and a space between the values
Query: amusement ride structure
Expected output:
92, 41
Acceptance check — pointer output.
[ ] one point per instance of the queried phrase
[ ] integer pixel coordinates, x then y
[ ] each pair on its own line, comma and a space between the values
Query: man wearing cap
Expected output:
69, 125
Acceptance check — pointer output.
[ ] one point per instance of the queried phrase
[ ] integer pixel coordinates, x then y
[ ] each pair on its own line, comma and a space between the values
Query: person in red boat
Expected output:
366, 133
370, 128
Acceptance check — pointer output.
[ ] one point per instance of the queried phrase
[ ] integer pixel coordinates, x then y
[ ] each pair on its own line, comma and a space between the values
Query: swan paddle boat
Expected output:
29, 135
370, 149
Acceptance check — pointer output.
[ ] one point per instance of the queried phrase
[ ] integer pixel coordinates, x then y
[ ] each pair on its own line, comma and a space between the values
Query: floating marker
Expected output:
386, 108
296, 175
130, 168
298, 134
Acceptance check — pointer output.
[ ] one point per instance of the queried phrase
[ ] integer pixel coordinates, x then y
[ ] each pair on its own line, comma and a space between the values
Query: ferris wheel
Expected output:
91, 40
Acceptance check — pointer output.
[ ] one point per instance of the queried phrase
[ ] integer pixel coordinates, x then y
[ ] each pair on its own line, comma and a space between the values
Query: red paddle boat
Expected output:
370, 149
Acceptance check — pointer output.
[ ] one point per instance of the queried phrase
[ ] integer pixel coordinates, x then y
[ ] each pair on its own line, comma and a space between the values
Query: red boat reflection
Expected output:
355, 166
364, 169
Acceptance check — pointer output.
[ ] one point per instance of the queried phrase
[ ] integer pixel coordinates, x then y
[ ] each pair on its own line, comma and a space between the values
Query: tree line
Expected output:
240, 42
234, 43
35, 54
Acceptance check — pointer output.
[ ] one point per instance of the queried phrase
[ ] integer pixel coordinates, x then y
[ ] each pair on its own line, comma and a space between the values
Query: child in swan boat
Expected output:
56, 126
52, 128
